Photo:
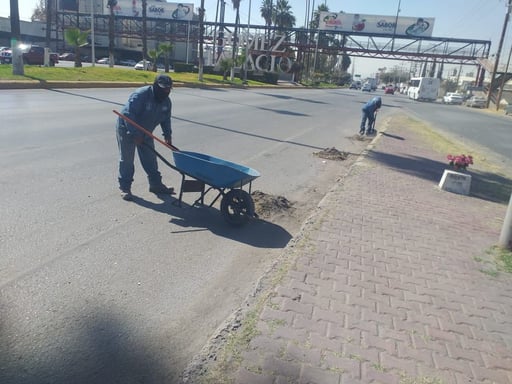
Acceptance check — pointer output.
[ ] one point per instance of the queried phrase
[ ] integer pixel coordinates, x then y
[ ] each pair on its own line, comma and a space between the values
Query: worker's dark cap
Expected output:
163, 81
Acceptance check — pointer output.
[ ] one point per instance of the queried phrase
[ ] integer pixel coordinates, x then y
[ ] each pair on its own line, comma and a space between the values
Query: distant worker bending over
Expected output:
369, 112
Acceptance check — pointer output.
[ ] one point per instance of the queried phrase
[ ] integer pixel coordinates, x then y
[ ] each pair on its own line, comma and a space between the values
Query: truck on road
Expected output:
373, 83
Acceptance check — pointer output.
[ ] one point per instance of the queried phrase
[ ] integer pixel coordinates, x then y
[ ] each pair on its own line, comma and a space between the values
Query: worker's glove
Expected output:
168, 140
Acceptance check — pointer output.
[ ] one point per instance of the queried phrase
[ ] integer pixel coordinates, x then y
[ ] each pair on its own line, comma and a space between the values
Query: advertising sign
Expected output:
347, 22
154, 9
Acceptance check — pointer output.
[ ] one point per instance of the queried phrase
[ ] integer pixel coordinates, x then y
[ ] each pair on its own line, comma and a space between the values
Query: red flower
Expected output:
460, 161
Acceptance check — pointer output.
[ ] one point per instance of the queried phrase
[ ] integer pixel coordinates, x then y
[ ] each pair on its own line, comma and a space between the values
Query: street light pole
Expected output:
396, 23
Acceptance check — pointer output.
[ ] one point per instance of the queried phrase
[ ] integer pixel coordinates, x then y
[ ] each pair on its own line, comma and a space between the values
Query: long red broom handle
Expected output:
140, 127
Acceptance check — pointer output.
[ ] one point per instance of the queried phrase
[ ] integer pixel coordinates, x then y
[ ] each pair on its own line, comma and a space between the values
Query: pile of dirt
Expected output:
332, 154
266, 205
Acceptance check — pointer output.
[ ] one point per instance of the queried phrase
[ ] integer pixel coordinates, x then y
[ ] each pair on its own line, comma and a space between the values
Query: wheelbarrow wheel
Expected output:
237, 207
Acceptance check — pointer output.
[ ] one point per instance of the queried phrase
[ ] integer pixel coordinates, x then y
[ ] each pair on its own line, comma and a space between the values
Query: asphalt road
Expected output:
483, 128
96, 289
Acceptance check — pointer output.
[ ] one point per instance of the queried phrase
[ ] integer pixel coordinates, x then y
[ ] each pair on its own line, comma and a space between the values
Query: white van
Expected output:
423, 88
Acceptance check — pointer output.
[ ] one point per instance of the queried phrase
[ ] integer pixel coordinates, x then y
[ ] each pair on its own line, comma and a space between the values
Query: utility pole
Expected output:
496, 63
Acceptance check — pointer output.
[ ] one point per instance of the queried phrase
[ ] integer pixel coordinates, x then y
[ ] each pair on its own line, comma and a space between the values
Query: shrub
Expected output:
183, 67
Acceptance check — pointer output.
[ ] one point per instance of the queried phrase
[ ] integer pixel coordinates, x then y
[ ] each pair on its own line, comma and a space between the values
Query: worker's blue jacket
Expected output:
143, 108
371, 106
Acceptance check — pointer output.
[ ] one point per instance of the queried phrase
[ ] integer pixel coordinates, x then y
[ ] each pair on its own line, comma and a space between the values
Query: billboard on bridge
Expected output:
349, 22
154, 9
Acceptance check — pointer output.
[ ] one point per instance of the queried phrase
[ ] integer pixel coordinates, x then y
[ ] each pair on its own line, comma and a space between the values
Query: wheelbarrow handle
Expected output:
141, 128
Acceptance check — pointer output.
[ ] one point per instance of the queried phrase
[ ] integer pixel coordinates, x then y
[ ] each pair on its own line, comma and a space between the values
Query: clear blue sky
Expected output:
466, 19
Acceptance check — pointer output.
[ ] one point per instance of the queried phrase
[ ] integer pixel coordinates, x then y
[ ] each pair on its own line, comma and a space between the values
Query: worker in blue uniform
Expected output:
148, 106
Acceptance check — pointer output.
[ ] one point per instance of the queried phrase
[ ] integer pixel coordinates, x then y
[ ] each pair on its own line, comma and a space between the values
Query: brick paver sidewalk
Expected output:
390, 287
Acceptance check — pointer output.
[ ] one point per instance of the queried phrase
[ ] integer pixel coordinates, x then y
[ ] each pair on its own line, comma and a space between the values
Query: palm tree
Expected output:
283, 17
17, 62
225, 66
315, 23
236, 6
76, 38
166, 49
345, 62
267, 13
154, 54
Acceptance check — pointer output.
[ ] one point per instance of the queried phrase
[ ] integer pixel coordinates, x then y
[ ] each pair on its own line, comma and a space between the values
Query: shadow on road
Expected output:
287, 97
104, 351
257, 232
86, 97
484, 185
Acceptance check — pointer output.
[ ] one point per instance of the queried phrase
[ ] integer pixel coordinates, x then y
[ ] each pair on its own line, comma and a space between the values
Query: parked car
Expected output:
453, 98
103, 60
35, 55
389, 90
476, 102
367, 87
6, 56
140, 66
67, 56
128, 62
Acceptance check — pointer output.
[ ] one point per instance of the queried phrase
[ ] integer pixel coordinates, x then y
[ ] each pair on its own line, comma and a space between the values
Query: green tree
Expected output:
225, 66
76, 38
166, 49
345, 62
316, 16
267, 13
154, 54
283, 16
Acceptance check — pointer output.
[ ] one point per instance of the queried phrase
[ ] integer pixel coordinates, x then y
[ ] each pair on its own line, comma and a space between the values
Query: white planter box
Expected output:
455, 182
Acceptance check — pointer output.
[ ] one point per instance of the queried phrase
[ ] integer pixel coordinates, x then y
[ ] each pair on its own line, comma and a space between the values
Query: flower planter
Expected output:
456, 182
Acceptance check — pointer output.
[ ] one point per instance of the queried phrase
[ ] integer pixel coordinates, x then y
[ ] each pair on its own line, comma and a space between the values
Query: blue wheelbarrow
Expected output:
204, 173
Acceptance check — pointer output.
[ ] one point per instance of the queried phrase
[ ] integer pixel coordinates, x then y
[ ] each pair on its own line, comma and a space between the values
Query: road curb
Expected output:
41, 84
